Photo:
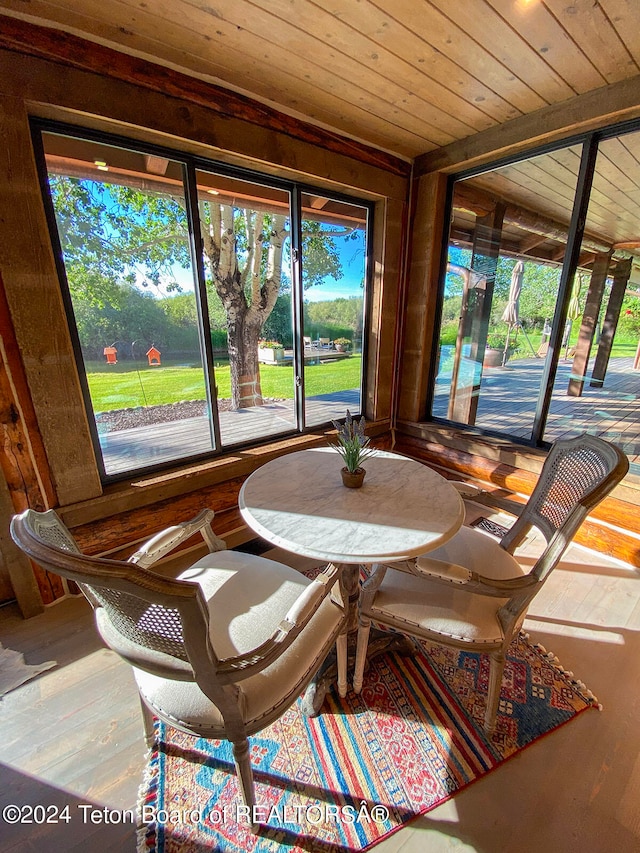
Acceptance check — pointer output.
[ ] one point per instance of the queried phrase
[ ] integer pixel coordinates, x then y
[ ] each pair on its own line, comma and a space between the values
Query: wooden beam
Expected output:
24, 486
72, 51
156, 165
417, 310
13, 369
621, 275
470, 198
588, 325
19, 568
476, 312
586, 112
37, 313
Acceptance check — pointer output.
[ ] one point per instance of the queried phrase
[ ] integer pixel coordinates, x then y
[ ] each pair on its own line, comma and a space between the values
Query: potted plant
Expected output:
342, 344
494, 351
352, 445
270, 351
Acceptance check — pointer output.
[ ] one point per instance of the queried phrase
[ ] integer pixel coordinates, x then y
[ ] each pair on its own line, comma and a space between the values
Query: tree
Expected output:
132, 317
113, 234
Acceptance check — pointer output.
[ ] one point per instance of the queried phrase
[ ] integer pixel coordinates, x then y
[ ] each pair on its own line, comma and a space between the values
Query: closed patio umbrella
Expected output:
510, 313
573, 311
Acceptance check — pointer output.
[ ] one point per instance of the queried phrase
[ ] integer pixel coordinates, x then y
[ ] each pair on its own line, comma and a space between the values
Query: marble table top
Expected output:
298, 502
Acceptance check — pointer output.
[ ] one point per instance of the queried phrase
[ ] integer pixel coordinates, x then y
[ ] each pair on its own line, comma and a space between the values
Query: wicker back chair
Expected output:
220, 652
471, 592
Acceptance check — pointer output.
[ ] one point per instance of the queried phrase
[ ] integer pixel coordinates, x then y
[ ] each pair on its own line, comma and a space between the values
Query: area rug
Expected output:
14, 671
364, 767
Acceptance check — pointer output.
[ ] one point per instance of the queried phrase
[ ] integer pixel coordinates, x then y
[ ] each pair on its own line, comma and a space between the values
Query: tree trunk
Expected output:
245, 319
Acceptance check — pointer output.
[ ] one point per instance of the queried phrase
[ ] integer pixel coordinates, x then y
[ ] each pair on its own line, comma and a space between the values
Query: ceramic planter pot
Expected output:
493, 357
352, 479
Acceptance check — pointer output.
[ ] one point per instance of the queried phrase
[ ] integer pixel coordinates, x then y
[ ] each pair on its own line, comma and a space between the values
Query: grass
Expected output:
123, 386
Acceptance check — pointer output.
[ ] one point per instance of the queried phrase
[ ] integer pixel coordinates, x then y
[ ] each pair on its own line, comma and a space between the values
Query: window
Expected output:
538, 332
210, 308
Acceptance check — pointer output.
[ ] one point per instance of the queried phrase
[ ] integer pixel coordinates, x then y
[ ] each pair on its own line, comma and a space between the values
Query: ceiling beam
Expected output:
589, 111
479, 202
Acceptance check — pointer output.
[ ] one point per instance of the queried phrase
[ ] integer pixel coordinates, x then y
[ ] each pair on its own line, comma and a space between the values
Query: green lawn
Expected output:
121, 386
622, 349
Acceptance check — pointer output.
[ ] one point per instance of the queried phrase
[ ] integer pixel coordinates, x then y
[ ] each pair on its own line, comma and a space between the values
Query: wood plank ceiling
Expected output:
407, 76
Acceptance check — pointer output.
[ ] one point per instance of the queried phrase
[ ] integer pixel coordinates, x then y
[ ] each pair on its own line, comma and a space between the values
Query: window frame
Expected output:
589, 142
190, 165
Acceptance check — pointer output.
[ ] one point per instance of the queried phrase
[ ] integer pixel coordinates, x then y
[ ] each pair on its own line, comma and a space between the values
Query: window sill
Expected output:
145, 490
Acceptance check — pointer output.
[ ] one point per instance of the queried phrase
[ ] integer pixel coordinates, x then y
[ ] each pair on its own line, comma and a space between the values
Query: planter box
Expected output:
268, 355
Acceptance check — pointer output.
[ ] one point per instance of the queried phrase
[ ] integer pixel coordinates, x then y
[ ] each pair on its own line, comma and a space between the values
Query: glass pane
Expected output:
123, 230
506, 247
334, 240
595, 390
247, 261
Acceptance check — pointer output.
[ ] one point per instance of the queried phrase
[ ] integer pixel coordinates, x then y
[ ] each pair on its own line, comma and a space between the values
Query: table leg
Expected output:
379, 643
316, 691
350, 590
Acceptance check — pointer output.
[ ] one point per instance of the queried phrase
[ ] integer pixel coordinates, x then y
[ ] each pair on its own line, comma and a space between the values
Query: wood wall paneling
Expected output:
33, 294
421, 293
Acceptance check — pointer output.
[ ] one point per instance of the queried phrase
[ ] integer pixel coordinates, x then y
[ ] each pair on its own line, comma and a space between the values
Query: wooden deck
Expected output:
508, 399
152, 445
507, 404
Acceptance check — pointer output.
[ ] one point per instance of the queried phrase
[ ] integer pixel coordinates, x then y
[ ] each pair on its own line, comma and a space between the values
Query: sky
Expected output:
351, 257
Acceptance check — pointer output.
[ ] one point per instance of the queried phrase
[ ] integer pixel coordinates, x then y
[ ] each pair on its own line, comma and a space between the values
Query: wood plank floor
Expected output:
74, 735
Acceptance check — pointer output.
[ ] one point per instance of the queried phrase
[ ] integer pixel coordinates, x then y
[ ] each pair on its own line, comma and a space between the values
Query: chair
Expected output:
471, 593
222, 651
308, 343
325, 343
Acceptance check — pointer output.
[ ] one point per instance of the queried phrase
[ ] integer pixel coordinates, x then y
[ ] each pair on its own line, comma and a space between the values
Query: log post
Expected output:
621, 274
476, 311
588, 325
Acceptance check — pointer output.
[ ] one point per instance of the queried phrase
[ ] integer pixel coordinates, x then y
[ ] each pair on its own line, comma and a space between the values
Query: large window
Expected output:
210, 308
540, 300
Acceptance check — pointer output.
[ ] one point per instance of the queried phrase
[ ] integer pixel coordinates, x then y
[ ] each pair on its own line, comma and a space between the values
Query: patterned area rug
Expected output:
366, 765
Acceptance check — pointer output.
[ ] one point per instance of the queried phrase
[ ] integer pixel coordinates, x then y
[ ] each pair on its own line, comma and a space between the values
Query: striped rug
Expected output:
366, 765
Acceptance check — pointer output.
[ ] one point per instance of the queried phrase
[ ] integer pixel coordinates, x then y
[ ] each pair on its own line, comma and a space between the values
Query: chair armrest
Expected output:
165, 541
298, 615
439, 570
453, 574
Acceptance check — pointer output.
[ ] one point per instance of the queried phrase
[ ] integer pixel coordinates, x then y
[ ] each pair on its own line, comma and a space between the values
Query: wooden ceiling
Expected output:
407, 76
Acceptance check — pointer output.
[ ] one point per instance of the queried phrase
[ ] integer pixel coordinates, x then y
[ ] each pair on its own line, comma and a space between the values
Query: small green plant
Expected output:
343, 342
352, 443
270, 345
495, 340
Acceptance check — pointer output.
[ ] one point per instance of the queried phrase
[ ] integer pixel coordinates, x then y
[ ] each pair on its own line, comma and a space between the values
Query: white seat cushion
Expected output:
248, 597
476, 551
426, 608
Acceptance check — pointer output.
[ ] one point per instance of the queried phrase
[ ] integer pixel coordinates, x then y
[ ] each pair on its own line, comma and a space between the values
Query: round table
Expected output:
298, 502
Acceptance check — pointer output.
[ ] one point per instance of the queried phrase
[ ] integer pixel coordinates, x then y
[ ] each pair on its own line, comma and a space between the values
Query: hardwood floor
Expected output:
73, 736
